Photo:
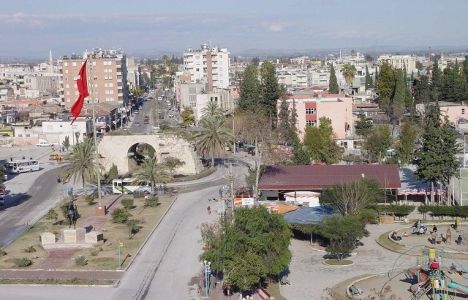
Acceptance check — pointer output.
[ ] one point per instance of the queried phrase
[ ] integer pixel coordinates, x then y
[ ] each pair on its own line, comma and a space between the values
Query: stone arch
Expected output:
137, 153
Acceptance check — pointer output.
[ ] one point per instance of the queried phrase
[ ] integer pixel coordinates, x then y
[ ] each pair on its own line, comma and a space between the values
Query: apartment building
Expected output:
107, 76
208, 65
310, 108
400, 62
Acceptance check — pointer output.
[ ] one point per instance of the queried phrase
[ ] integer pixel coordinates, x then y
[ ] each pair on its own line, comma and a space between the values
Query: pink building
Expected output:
310, 108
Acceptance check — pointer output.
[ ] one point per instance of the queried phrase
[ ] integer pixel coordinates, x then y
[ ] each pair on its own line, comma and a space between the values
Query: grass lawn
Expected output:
338, 262
385, 242
103, 256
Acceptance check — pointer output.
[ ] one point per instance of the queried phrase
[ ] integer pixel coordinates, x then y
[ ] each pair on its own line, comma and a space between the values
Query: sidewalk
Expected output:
61, 274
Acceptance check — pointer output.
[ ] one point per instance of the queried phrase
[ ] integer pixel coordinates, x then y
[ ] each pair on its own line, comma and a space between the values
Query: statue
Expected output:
72, 214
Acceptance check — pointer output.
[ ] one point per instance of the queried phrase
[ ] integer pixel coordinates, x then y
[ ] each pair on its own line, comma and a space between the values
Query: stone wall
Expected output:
114, 150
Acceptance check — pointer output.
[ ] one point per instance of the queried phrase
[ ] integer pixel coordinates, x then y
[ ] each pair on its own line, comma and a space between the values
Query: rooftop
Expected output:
317, 177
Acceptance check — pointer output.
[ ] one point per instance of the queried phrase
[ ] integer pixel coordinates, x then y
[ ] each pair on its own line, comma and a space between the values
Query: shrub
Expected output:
394, 209
3, 252
440, 211
368, 216
52, 215
90, 199
152, 201
120, 216
133, 227
30, 249
127, 203
81, 261
23, 262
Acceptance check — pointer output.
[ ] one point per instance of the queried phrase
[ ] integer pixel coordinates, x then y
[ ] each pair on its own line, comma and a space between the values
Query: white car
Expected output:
44, 143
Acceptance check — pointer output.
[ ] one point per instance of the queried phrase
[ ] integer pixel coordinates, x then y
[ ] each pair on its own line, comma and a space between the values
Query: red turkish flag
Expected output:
82, 84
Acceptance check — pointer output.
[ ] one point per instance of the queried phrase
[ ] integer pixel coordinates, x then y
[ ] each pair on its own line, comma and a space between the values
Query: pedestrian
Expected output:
209, 210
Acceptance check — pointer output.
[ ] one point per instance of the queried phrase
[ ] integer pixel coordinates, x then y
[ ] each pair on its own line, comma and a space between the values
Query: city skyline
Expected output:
158, 26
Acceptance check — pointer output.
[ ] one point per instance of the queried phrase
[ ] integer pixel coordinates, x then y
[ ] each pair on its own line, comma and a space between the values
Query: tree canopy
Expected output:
349, 71
333, 87
378, 142
320, 144
250, 248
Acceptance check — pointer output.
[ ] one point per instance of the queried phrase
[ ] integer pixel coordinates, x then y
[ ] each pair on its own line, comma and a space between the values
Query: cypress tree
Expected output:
249, 95
333, 87
284, 127
270, 89
368, 82
436, 81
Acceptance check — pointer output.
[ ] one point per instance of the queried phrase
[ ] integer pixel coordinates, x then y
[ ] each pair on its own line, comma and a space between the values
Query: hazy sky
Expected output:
32, 27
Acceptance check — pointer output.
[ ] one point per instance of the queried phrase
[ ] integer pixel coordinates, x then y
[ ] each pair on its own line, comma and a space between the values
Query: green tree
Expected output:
453, 87
385, 85
399, 98
212, 110
341, 233
66, 142
173, 163
368, 80
270, 89
407, 143
188, 119
250, 90
378, 142
136, 91
212, 137
153, 172
300, 155
349, 71
333, 87
421, 90
363, 125
112, 174
349, 198
2, 173
437, 159
465, 67
436, 83
250, 247
286, 129
83, 163
320, 144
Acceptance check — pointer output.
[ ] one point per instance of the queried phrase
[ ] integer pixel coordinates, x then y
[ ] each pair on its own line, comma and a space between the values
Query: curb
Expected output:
358, 280
149, 235
339, 266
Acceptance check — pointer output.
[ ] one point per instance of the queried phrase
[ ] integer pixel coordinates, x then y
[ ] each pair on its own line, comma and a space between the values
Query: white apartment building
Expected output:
400, 62
208, 65
292, 78
57, 131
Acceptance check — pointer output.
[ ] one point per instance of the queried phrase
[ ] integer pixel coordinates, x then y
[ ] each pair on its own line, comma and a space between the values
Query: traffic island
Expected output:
338, 262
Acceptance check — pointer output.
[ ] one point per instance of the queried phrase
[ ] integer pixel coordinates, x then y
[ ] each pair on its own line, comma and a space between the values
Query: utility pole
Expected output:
98, 172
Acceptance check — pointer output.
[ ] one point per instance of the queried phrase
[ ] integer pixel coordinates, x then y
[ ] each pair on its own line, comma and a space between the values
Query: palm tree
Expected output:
151, 171
83, 162
348, 71
212, 110
211, 137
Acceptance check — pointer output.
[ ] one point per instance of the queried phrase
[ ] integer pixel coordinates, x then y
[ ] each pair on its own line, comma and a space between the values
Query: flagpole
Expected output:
98, 173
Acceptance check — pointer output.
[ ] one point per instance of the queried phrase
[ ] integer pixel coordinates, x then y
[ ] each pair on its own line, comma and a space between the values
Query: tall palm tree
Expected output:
151, 171
212, 110
83, 163
348, 71
211, 137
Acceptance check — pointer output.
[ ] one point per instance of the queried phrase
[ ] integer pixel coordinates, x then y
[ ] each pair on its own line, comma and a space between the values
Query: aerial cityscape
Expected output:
257, 150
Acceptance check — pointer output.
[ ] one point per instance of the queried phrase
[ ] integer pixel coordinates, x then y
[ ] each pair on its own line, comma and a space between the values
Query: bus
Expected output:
129, 186
22, 166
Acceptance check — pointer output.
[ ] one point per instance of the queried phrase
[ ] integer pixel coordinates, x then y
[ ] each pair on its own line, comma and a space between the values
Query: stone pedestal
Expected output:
69, 236
100, 211
93, 237
80, 235
47, 238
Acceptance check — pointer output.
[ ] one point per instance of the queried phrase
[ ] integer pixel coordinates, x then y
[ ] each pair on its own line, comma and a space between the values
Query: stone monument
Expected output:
93, 237
69, 236
47, 238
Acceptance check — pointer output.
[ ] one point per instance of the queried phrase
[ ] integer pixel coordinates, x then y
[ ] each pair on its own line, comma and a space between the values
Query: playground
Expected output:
435, 275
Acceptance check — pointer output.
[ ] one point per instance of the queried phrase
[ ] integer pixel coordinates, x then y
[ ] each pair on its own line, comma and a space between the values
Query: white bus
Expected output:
21, 166
129, 186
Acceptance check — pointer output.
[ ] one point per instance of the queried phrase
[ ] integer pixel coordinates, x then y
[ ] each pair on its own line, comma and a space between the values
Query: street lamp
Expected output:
207, 272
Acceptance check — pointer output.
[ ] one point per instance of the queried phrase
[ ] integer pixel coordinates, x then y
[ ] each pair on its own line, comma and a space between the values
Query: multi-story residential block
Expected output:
107, 76
208, 65
310, 108
133, 73
400, 62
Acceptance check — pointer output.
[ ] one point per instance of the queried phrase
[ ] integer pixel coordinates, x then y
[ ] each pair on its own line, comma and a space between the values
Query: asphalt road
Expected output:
165, 267
23, 208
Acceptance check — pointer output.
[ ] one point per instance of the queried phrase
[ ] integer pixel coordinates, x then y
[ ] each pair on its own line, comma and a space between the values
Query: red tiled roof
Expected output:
316, 177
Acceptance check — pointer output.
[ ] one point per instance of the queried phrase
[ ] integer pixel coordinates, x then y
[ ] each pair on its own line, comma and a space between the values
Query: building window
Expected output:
74, 63
463, 111
310, 123
310, 111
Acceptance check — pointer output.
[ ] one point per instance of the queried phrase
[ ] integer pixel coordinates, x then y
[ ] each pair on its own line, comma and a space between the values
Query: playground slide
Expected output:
459, 287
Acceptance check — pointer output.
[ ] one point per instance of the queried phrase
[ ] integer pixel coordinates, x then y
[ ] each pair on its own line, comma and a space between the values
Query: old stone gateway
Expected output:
126, 151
